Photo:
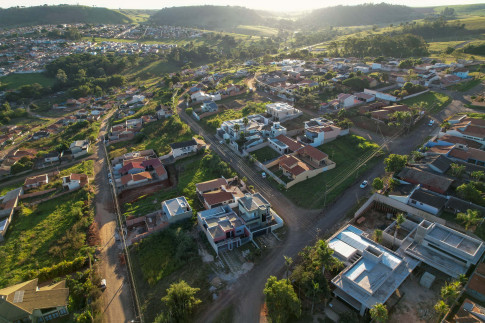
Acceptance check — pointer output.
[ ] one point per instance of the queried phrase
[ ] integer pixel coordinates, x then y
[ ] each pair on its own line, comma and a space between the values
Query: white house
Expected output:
176, 209
282, 111
347, 100
74, 181
183, 148
79, 148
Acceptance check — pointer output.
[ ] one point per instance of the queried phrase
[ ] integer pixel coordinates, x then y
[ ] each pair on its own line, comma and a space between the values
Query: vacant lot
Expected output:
165, 258
349, 153
432, 101
44, 235
265, 154
14, 81
465, 86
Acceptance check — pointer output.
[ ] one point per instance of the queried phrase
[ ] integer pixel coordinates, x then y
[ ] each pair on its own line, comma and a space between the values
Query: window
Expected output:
63, 311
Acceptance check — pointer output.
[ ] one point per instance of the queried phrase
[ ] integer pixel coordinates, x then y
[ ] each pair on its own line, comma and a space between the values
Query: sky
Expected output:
273, 5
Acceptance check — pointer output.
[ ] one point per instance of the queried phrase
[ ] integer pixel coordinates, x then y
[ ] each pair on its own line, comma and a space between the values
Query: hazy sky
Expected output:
275, 5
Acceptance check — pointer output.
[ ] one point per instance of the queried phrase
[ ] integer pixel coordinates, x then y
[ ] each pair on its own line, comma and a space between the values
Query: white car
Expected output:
221, 142
431, 122
110, 180
364, 184
103, 284
263, 175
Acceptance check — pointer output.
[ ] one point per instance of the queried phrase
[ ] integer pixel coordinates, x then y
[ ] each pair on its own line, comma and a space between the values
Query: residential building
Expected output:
26, 302
210, 186
255, 210
51, 157
468, 128
469, 312
208, 106
163, 112
427, 201
8, 203
75, 181
433, 182
476, 284
469, 155
36, 181
444, 249
183, 148
135, 179
176, 209
287, 144
347, 100
372, 273
223, 228
318, 135
282, 111
461, 73
79, 148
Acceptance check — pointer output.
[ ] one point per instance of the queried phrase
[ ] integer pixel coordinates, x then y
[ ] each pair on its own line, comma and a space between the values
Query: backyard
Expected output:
349, 153
44, 235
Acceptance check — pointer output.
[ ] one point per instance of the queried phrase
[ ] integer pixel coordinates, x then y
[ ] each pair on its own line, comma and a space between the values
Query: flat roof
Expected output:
176, 206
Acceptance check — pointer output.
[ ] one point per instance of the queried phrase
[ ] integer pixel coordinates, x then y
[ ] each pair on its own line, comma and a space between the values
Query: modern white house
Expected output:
79, 148
183, 148
74, 181
176, 209
282, 111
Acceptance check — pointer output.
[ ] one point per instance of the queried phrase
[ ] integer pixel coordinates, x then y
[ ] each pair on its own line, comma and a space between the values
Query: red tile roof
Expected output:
135, 177
211, 185
216, 197
472, 153
313, 152
160, 170
36, 179
291, 143
130, 166
154, 162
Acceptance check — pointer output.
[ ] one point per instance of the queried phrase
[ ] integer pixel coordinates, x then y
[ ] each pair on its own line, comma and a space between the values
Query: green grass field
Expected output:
265, 154
348, 152
465, 86
256, 30
35, 231
14, 81
432, 101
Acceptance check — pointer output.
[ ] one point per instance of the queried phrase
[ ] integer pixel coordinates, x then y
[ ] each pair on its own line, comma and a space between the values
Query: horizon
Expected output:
271, 5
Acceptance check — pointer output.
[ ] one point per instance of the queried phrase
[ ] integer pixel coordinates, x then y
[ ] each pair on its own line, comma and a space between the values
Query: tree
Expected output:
377, 235
245, 122
180, 301
395, 163
237, 128
61, 76
378, 313
470, 193
400, 218
450, 292
316, 290
288, 262
377, 184
325, 256
457, 170
281, 300
477, 175
470, 218
441, 308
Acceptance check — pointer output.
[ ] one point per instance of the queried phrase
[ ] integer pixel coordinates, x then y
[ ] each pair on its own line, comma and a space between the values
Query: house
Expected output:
427, 201
223, 228
163, 112
131, 168
469, 155
445, 249
79, 148
364, 97
430, 181
217, 198
476, 284
292, 166
26, 302
468, 128
347, 100
208, 106
469, 312
40, 134
210, 186
51, 157
313, 156
183, 148
176, 209
7, 206
461, 73
372, 273
36, 181
74, 181
201, 96
282, 111
318, 135
135, 179
254, 210
291, 144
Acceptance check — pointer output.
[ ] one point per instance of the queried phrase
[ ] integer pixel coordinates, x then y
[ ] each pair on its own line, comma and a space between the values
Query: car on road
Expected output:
364, 184
431, 122
263, 175
109, 175
110, 180
102, 285
221, 142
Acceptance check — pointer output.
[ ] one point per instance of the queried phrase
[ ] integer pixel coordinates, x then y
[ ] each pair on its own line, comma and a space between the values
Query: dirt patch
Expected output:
128, 196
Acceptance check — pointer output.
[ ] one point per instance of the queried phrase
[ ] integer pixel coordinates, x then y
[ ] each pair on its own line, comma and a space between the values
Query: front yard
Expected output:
349, 153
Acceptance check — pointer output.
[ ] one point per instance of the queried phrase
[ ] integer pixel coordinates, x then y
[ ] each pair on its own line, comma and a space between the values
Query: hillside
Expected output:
365, 14
61, 14
207, 17
470, 9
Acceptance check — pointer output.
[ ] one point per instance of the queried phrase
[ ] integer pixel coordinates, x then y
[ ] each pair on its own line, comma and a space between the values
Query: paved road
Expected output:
117, 300
303, 225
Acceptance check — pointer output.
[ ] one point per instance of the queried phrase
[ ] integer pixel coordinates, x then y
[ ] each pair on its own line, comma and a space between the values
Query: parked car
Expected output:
109, 175
221, 142
431, 122
263, 175
364, 184
102, 285
110, 180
